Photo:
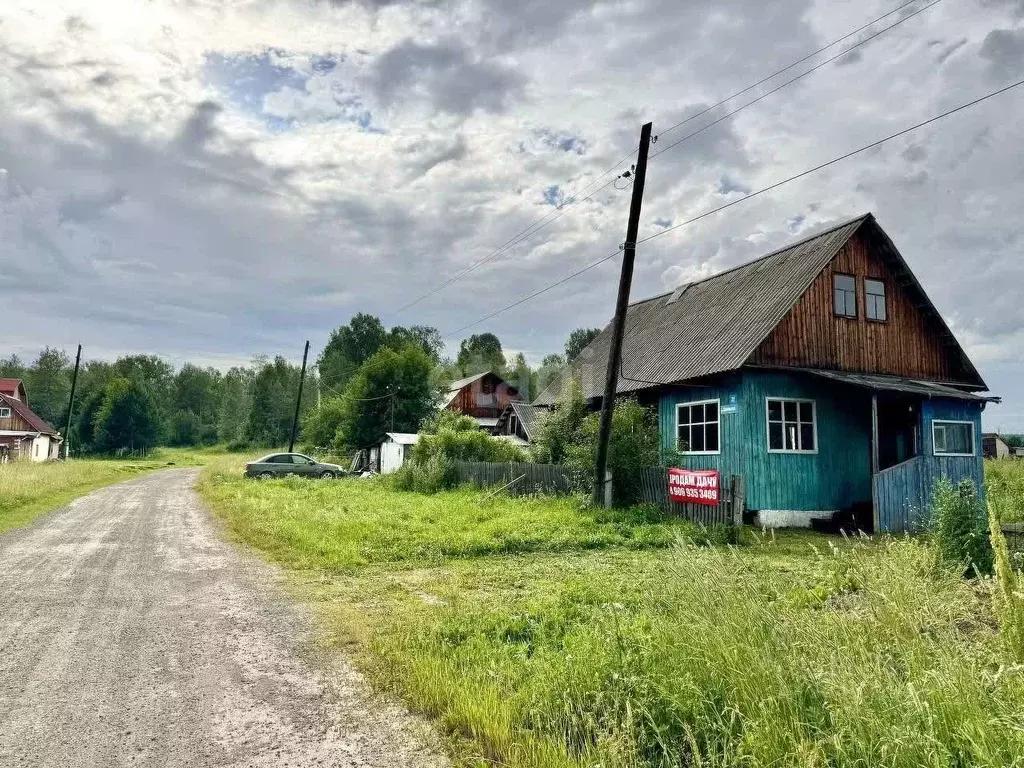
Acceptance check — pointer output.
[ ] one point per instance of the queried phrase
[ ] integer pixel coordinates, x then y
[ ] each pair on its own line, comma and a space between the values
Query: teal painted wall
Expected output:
836, 477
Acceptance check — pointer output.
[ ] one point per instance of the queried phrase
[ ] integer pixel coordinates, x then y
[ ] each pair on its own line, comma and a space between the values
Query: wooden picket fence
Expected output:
654, 490
523, 479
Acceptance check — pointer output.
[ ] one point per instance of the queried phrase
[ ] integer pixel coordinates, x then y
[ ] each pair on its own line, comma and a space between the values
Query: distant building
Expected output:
994, 447
482, 397
23, 434
520, 420
392, 452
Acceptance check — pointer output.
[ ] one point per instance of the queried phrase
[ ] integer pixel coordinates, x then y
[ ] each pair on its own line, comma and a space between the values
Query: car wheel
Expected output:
266, 475
328, 475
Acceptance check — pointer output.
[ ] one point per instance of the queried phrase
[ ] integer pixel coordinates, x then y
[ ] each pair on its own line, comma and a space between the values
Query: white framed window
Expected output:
953, 438
792, 425
698, 427
874, 300
5, 413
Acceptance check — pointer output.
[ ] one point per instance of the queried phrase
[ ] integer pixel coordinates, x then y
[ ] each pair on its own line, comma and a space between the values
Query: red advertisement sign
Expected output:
690, 486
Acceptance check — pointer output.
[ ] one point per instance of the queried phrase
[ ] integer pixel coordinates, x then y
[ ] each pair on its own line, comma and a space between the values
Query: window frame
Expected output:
768, 422
5, 412
717, 402
885, 300
856, 302
974, 438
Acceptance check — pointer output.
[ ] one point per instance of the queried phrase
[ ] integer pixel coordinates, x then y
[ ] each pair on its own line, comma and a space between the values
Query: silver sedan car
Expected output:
281, 464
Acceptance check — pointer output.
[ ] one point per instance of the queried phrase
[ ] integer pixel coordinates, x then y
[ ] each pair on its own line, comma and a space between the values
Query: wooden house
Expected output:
821, 372
994, 447
482, 397
23, 434
520, 420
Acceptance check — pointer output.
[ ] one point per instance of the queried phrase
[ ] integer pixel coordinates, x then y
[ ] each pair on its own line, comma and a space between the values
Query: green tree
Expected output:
185, 428
562, 428
128, 416
1014, 441
479, 353
197, 391
348, 347
550, 367
12, 368
235, 405
273, 403
522, 377
48, 385
391, 392
578, 341
157, 377
425, 337
321, 425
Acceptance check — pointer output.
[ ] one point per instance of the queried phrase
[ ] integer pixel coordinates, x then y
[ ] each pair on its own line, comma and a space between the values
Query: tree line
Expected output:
367, 380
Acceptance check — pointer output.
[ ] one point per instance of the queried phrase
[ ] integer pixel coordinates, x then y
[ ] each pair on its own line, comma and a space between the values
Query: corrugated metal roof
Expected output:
455, 386
714, 325
528, 416
403, 438
709, 326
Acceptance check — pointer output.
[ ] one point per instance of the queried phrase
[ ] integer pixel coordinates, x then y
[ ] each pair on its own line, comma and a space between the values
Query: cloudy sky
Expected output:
215, 179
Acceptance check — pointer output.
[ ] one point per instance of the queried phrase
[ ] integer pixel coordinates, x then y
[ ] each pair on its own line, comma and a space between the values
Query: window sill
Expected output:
797, 453
953, 455
699, 453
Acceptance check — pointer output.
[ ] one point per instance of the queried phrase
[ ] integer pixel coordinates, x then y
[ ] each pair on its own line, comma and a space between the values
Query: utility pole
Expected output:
298, 399
71, 404
619, 322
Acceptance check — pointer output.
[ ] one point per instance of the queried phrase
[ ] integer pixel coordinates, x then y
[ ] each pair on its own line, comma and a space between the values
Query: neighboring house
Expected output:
520, 420
994, 447
392, 452
23, 434
483, 397
822, 373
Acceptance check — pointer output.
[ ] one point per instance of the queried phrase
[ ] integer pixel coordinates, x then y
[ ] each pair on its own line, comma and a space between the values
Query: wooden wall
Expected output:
484, 398
15, 423
906, 344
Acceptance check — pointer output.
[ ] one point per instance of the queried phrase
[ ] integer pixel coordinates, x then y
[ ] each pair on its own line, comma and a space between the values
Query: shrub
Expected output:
431, 476
463, 445
960, 526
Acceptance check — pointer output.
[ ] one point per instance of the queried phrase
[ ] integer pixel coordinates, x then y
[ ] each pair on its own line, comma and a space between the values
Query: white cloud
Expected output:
215, 180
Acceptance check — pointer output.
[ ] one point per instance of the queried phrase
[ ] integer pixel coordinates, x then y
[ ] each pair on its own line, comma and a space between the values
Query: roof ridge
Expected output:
794, 244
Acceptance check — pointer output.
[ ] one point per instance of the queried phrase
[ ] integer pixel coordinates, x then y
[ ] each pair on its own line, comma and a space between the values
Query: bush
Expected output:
463, 445
434, 475
960, 526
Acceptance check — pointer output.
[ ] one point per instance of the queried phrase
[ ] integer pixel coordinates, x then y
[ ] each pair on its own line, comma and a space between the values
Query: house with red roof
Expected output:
23, 434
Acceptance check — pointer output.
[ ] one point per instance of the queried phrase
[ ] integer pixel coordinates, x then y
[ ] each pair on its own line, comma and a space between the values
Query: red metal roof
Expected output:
11, 387
36, 423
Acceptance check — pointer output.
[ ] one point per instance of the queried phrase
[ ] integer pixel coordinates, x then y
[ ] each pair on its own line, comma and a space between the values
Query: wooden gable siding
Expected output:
484, 398
14, 423
906, 344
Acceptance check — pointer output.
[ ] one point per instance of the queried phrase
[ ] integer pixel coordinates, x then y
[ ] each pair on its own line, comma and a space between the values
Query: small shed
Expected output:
395, 449
994, 447
520, 420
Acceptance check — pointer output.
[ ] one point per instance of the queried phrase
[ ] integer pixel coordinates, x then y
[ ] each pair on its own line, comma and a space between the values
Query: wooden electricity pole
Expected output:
298, 399
619, 322
71, 404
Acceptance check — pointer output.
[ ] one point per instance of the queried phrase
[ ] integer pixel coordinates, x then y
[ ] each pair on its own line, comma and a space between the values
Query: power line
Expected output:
786, 68
559, 212
534, 295
761, 191
575, 199
835, 160
789, 82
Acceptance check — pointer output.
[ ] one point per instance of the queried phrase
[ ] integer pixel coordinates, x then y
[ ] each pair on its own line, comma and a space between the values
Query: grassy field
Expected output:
542, 633
29, 489
1005, 481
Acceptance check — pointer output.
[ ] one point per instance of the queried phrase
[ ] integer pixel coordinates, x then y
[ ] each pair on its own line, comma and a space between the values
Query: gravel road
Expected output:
131, 634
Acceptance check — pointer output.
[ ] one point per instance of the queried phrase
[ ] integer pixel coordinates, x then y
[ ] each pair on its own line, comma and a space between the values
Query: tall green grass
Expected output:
543, 634
1004, 479
882, 659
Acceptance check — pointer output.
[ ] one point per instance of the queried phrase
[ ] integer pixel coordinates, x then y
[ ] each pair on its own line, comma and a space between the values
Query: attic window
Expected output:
874, 300
845, 293
5, 413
